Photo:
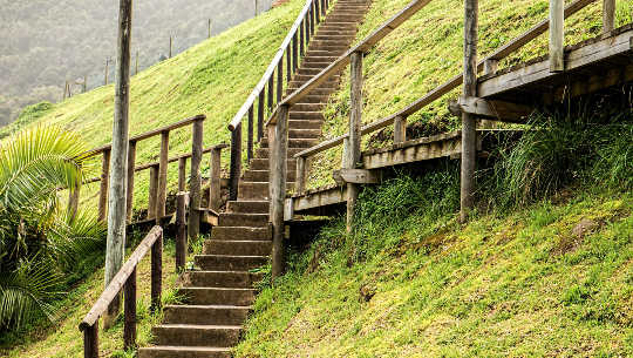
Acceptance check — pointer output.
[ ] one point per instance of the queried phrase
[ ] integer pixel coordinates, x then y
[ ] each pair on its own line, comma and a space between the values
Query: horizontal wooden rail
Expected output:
237, 120
183, 156
446, 87
113, 289
152, 133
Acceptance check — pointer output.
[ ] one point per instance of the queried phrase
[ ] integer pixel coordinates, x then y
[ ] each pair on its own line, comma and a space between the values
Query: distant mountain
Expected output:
45, 43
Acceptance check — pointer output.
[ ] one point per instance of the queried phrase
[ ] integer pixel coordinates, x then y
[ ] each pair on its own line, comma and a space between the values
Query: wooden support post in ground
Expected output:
557, 35
608, 15
103, 191
355, 122
295, 53
182, 180
490, 67
181, 231
73, 200
289, 62
260, 117
131, 166
117, 198
236, 162
250, 142
214, 188
161, 197
469, 124
153, 192
129, 296
280, 80
302, 39
301, 175
195, 183
157, 273
271, 92
91, 341
399, 130
278, 139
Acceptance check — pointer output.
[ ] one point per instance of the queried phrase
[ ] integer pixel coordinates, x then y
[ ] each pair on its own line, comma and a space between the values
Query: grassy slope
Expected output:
502, 286
426, 51
213, 78
63, 338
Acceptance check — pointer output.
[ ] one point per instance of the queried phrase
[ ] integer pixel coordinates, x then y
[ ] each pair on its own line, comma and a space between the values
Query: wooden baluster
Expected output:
306, 22
323, 8
236, 161
302, 39
280, 80
469, 126
91, 341
278, 139
181, 231
295, 53
214, 189
162, 177
289, 62
301, 175
103, 191
557, 36
312, 19
131, 166
195, 183
153, 192
250, 144
317, 11
271, 92
490, 67
608, 15
157, 273
400, 130
355, 122
260, 117
129, 328
73, 200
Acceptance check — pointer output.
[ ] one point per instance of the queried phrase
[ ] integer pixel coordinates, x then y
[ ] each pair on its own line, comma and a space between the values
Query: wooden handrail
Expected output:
237, 120
446, 87
115, 286
150, 134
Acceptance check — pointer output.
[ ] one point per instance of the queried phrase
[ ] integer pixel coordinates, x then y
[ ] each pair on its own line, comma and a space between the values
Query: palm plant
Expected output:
38, 240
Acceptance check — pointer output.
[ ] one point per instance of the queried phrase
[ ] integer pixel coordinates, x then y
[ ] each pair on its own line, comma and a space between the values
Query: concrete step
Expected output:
251, 207
218, 295
315, 65
238, 247
242, 232
239, 219
294, 142
226, 279
304, 133
328, 86
230, 263
196, 335
308, 107
262, 176
311, 98
257, 190
304, 78
317, 91
262, 164
263, 153
183, 352
206, 314
318, 56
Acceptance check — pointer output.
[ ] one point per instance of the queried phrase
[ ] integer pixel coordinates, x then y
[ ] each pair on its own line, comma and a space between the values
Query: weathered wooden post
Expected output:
236, 161
302, 38
256, 8
161, 198
469, 123
557, 35
280, 79
171, 42
355, 122
271, 90
73, 200
85, 84
214, 188
490, 67
157, 273
278, 139
117, 199
301, 175
250, 134
209, 36
131, 169
295, 53
91, 341
608, 15
136, 64
103, 190
289, 62
153, 192
129, 328
260, 116
107, 71
400, 130
181, 231
195, 181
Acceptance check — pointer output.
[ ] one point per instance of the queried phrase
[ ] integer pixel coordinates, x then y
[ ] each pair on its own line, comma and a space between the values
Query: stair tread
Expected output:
210, 306
186, 348
199, 326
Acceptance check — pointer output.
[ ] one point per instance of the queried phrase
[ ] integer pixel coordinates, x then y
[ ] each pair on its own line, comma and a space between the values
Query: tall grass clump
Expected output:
555, 152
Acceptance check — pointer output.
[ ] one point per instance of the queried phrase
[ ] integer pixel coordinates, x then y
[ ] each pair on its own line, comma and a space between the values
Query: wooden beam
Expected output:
557, 35
357, 176
319, 199
491, 109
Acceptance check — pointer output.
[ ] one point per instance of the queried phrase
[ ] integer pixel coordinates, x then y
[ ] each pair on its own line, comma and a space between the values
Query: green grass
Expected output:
62, 338
513, 285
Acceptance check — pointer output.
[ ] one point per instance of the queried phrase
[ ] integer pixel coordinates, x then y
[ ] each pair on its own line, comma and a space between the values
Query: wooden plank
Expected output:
357, 176
331, 196
491, 109
600, 50
113, 289
413, 151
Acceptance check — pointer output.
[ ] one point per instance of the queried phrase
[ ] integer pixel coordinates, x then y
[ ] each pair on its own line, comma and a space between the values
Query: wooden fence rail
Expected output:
125, 280
292, 48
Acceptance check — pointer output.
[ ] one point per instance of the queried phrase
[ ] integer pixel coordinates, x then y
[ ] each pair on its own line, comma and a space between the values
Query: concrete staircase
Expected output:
219, 293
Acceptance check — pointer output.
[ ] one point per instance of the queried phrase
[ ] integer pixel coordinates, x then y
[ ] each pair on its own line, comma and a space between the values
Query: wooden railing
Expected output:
278, 121
125, 280
268, 92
